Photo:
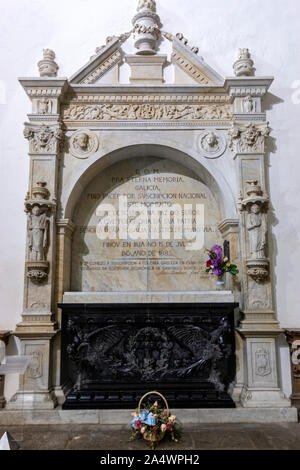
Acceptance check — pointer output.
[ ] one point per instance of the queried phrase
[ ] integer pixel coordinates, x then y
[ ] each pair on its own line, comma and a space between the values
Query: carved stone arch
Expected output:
214, 179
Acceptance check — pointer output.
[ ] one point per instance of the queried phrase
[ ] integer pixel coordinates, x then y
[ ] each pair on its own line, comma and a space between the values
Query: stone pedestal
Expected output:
262, 387
35, 385
146, 69
4, 337
293, 338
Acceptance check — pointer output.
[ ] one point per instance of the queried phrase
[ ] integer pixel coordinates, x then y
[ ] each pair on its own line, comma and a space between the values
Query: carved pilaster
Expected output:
247, 141
293, 339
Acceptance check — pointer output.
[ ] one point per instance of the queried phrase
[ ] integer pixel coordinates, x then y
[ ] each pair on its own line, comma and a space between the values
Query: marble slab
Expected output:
148, 297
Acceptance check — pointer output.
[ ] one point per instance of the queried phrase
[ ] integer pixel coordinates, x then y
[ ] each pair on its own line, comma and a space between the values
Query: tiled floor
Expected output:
205, 437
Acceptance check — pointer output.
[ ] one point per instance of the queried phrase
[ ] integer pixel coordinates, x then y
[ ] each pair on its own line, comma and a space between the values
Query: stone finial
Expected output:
244, 64
146, 27
47, 66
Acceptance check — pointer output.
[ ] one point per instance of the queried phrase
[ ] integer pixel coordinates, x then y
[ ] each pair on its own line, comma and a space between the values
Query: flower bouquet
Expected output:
218, 264
154, 423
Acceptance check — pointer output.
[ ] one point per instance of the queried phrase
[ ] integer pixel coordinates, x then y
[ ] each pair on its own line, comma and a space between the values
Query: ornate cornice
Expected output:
103, 68
192, 71
167, 98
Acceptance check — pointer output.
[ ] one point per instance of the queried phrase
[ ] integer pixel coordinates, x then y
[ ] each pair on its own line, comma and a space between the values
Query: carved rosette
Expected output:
146, 27
248, 137
44, 139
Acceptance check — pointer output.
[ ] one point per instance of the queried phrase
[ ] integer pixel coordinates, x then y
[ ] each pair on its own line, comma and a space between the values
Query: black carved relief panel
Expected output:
114, 353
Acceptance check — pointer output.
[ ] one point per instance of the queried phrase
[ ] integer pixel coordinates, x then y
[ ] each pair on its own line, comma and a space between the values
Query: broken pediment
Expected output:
106, 61
189, 67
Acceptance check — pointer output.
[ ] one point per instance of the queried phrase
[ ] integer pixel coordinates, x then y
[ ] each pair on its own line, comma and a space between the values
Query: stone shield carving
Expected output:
83, 143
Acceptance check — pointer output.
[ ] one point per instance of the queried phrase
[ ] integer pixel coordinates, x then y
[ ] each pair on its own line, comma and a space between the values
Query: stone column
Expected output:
4, 337
293, 339
38, 326
259, 328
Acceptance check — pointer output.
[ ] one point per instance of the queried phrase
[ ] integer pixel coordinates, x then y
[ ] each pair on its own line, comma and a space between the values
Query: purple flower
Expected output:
216, 256
217, 271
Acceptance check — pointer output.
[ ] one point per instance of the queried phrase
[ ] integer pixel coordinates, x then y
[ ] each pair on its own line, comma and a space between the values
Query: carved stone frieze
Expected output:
106, 112
43, 139
248, 137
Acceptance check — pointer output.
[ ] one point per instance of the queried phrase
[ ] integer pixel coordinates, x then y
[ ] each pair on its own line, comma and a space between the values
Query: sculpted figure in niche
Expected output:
210, 143
38, 224
249, 105
257, 227
81, 142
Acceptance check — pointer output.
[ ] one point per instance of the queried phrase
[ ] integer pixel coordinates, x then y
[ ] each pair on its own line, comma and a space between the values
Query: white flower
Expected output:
172, 419
226, 259
163, 427
143, 430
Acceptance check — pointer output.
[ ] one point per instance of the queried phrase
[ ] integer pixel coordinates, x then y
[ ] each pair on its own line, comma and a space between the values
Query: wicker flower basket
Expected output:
150, 436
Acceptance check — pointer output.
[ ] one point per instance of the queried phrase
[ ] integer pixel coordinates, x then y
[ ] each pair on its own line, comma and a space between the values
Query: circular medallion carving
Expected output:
83, 143
211, 144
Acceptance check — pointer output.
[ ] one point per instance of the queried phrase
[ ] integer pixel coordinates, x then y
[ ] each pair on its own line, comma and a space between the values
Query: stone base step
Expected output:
121, 417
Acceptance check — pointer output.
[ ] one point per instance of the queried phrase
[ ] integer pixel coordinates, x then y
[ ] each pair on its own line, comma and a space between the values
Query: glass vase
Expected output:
221, 282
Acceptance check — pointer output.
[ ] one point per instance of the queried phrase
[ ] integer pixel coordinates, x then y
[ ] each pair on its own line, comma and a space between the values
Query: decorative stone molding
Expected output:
258, 269
244, 64
189, 69
103, 68
146, 27
107, 112
248, 137
212, 144
37, 271
43, 139
83, 143
255, 195
154, 98
47, 66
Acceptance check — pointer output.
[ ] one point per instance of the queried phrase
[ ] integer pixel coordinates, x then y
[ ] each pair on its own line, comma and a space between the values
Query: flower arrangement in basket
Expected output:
218, 264
154, 423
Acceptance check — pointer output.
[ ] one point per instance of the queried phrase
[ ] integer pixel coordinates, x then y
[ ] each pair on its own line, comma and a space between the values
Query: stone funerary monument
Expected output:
108, 319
